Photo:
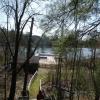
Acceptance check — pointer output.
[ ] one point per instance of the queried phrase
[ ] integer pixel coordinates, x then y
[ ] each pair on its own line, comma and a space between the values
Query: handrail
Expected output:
31, 80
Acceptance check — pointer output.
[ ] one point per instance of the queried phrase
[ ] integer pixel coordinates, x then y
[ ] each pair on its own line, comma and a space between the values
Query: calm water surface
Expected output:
86, 52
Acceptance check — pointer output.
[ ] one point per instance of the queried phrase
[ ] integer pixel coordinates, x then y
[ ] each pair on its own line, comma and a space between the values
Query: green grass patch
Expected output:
34, 88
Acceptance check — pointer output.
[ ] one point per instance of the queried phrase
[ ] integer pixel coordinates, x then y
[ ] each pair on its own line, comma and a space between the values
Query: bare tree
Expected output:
19, 10
28, 54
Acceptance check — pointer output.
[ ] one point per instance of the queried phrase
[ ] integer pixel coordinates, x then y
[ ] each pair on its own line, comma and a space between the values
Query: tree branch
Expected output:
7, 41
31, 53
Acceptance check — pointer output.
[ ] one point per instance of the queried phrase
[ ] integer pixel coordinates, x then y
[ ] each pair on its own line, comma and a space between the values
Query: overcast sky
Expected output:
36, 30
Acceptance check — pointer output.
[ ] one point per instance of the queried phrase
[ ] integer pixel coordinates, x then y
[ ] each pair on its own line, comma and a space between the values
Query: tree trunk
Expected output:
24, 92
97, 96
13, 80
13, 85
14, 65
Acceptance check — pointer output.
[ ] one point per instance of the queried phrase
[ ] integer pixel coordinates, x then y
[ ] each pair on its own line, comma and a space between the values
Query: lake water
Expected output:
86, 52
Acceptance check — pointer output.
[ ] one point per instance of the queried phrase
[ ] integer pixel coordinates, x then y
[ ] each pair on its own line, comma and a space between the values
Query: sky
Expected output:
36, 30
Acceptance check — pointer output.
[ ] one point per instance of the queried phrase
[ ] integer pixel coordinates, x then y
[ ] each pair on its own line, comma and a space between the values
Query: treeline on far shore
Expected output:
49, 41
